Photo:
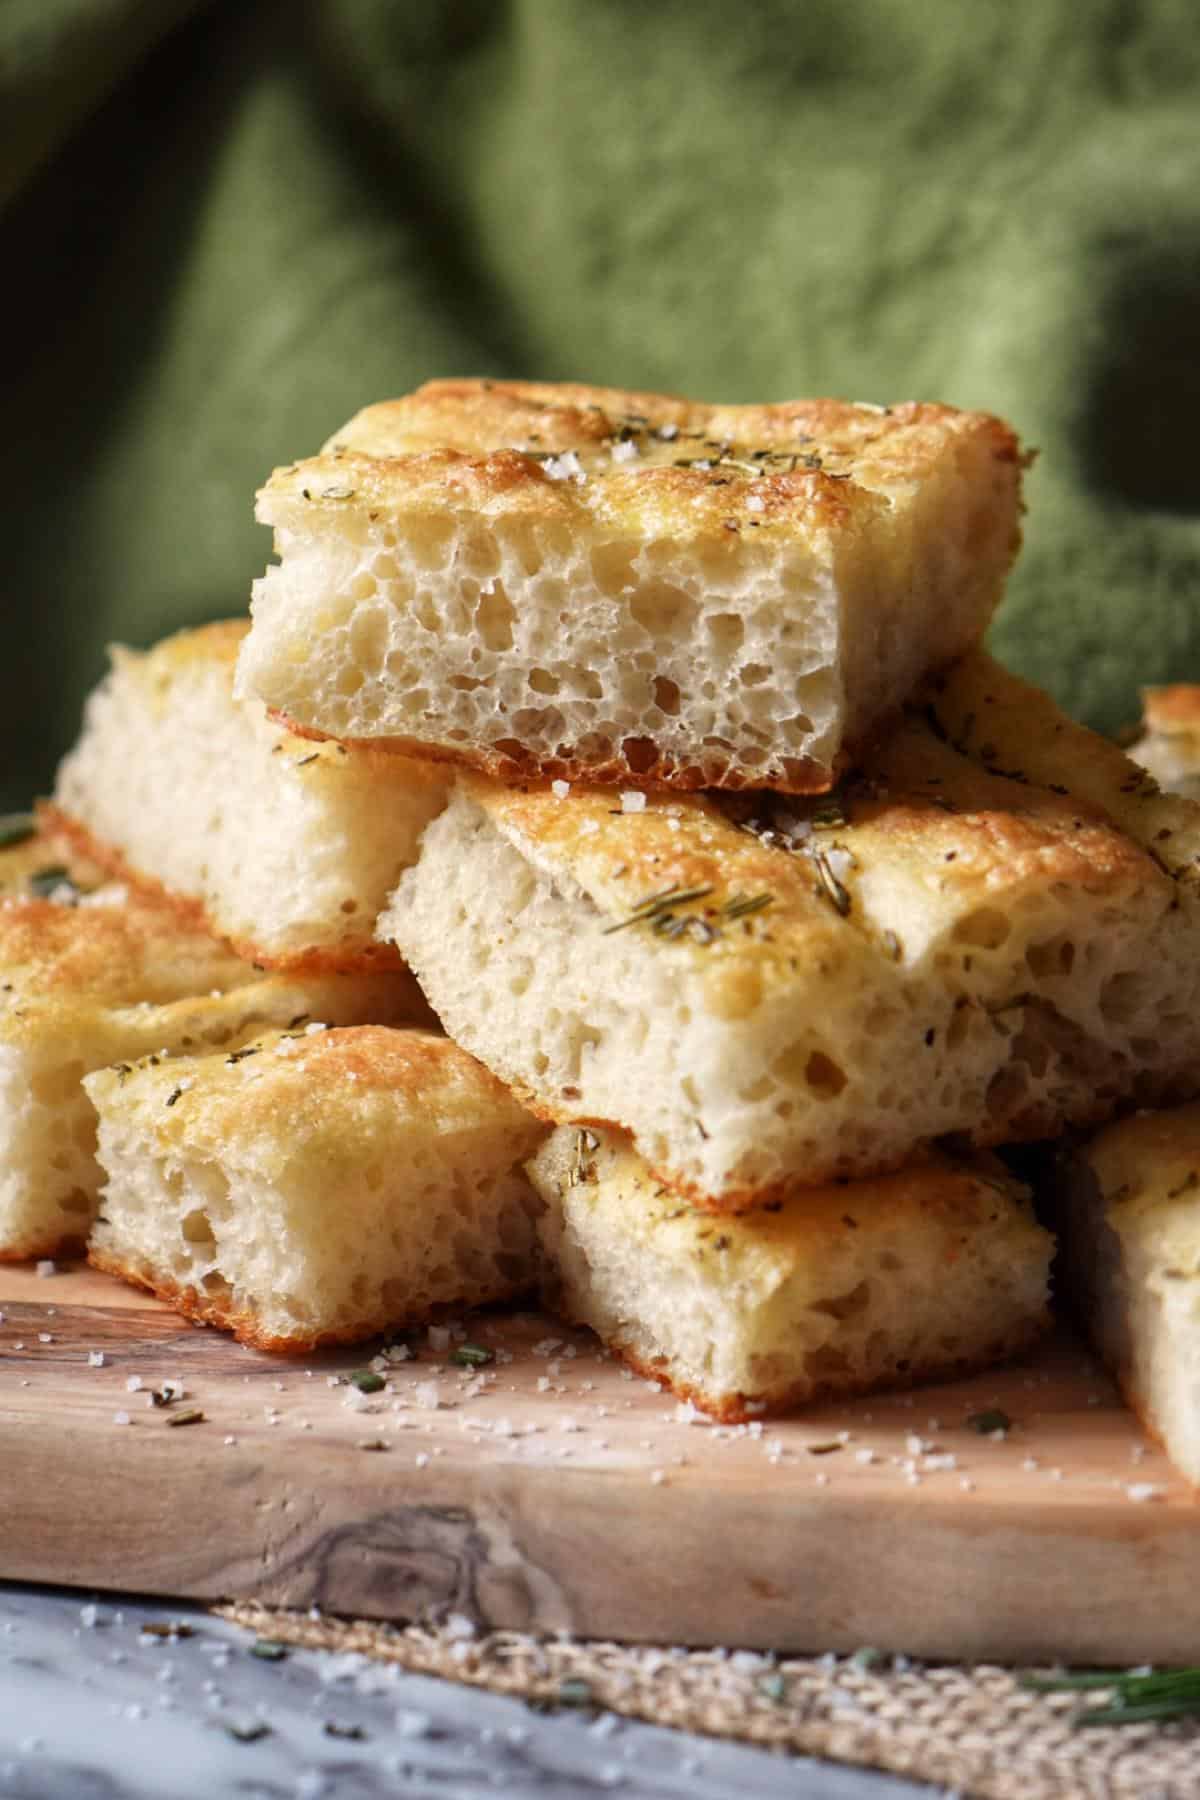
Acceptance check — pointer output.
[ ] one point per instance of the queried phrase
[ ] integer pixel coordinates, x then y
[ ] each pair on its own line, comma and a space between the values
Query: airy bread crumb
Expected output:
590, 584
878, 1283
284, 846
1128, 1210
994, 929
89, 978
313, 1189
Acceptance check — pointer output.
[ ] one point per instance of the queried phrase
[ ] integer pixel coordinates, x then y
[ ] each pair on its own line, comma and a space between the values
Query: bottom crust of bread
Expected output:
243, 1322
644, 767
738, 1409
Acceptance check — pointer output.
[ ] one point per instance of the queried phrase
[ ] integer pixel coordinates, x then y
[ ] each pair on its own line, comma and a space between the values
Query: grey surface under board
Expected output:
91, 1709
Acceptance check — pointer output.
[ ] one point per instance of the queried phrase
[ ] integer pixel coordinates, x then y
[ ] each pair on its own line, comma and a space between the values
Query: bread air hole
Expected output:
1053, 956
640, 754
612, 567
986, 927
823, 1076
727, 631
666, 695
845, 1306
196, 1228
799, 1065
663, 610
494, 617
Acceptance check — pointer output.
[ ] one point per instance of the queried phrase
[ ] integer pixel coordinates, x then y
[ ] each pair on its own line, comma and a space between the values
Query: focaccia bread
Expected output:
1169, 746
1128, 1210
766, 993
933, 1271
316, 1187
581, 582
286, 847
91, 979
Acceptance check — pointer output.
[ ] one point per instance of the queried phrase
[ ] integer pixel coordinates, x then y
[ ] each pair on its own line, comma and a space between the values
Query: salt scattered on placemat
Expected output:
973, 1729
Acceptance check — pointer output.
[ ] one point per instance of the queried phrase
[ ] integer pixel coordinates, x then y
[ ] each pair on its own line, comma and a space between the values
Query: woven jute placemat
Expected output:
976, 1730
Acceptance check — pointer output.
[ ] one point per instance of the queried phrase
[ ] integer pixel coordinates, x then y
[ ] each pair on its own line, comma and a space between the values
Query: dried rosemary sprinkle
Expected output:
829, 816
268, 1649
993, 1419
743, 905
472, 1356
829, 885
658, 906
574, 1691
191, 1415
45, 882
366, 1381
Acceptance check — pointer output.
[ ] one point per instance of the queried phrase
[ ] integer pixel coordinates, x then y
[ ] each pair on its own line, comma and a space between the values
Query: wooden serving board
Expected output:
559, 1493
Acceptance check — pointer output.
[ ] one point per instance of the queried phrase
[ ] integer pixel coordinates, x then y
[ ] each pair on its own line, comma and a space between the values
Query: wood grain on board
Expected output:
554, 1492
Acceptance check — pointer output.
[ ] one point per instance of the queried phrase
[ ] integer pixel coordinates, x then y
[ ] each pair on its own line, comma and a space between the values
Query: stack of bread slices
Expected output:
604, 863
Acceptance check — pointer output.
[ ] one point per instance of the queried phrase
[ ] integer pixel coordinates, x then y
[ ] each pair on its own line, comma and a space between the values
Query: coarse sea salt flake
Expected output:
560, 789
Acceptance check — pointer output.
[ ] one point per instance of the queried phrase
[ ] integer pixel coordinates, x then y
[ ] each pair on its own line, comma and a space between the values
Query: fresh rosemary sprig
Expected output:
659, 911
658, 906
1138, 1696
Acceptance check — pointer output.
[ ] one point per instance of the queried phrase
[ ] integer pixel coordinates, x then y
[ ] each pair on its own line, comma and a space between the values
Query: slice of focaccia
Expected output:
1169, 746
88, 979
1129, 1218
766, 993
587, 583
286, 847
316, 1188
936, 1270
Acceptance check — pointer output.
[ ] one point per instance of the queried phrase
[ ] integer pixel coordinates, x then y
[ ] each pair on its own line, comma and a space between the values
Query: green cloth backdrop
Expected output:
224, 227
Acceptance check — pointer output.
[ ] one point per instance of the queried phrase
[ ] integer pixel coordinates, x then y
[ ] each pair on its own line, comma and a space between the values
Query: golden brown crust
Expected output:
191, 913
244, 1324
954, 824
323, 1082
1174, 708
737, 1409
485, 445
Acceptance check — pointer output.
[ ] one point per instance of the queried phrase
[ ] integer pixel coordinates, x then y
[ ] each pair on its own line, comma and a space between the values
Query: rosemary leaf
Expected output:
366, 1381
